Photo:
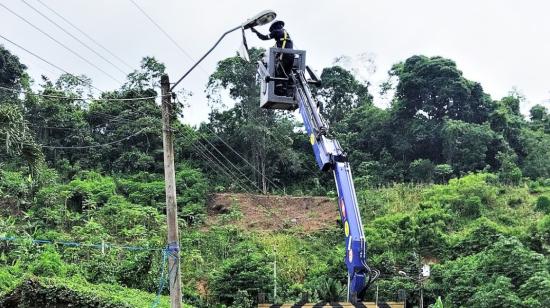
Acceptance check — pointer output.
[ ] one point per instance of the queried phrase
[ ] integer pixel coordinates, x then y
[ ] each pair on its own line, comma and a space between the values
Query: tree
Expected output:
61, 122
442, 173
17, 138
535, 292
263, 137
364, 134
422, 171
136, 118
538, 113
536, 163
12, 74
509, 172
507, 120
498, 293
435, 87
340, 93
540, 118
465, 145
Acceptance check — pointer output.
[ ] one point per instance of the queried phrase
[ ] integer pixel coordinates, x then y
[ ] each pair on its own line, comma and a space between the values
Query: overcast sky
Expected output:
501, 44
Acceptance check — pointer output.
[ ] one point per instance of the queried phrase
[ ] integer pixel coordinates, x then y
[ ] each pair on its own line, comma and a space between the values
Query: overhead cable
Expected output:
46, 61
60, 43
79, 98
85, 34
166, 34
93, 146
75, 38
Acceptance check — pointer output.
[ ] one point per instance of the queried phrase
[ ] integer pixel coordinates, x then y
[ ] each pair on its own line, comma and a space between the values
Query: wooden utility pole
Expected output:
174, 277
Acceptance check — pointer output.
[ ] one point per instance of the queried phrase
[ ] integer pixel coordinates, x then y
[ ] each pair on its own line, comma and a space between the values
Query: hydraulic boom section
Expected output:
289, 91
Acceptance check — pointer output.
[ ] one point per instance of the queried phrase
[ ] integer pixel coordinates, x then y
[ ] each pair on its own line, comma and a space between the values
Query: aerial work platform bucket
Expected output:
267, 69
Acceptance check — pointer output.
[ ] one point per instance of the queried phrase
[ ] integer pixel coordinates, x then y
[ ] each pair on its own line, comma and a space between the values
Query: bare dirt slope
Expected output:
273, 213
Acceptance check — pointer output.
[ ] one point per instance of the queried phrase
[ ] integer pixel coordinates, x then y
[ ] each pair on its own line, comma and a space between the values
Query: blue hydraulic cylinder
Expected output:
356, 250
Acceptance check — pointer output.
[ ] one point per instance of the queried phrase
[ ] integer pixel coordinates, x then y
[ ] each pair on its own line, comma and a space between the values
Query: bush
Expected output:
243, 300
9, 278
13, 184
477, 237
77, 292
193, 214
536, 290
543, 204
466, 196
330, 290
90, 190
498, 293
249, 272
143, 188
192, 186
443, 173
422, 171
509, 172
471, 207
48, 264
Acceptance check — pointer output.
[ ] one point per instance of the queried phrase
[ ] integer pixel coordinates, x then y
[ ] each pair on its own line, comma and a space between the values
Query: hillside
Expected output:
471, 224
274, 213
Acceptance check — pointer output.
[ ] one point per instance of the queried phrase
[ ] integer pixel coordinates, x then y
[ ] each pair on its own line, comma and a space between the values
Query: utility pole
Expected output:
174, 278
275, 277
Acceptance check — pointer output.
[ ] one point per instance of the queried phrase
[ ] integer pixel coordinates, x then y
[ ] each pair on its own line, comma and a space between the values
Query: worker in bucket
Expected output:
282, 40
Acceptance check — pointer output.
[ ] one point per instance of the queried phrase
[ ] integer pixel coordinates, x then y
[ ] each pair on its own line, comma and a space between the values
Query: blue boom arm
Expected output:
330, 156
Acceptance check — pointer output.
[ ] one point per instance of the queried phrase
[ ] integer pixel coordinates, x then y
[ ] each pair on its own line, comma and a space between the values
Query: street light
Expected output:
259, 19
423, 275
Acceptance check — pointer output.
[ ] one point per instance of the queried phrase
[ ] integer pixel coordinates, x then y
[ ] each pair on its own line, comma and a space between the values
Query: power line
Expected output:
224, 157
79, 98
113, 119
85, 34
222, 164
166, 34
231, 176
74, 37
46, 61
240, 156
202, 152
94, 146
59, 43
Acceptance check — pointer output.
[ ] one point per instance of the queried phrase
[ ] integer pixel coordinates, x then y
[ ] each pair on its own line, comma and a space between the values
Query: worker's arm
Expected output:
261, 36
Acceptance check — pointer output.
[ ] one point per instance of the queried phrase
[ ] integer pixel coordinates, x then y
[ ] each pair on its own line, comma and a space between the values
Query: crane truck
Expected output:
329, 155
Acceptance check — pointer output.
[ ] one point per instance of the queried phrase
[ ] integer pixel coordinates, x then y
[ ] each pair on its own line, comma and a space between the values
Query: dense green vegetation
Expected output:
446, 175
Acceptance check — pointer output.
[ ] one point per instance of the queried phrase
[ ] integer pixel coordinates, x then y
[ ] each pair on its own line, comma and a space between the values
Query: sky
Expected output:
502, 44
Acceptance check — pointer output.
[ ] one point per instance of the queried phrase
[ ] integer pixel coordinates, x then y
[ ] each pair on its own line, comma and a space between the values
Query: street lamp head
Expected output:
260, 19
